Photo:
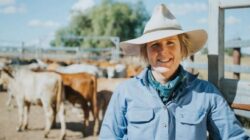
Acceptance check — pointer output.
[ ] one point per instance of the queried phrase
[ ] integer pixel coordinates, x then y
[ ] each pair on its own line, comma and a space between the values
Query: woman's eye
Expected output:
155, 46
169, 43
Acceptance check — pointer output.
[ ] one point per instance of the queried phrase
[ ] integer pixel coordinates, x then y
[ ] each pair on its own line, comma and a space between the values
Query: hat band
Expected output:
163, 28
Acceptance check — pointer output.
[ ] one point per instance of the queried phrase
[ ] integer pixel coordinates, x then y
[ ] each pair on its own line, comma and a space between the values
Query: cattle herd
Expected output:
88, 84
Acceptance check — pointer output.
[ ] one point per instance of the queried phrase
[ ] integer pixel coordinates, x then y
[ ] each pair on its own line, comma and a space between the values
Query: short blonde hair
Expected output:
186, 47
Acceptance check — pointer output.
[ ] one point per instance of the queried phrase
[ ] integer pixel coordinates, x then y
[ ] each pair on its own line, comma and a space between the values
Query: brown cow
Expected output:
133, 70
105, 90
81, 88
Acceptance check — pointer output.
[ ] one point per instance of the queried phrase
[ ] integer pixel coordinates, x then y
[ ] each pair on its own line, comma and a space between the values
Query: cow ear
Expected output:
8, 70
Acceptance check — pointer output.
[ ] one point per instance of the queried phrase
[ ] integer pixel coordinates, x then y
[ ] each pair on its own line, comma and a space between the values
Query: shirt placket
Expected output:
163, 127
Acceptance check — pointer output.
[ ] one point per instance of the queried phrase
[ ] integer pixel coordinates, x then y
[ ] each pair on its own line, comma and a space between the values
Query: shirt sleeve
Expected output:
114, 125
222, 123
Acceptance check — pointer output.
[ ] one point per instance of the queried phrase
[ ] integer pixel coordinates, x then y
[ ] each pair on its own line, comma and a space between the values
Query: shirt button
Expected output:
165, 125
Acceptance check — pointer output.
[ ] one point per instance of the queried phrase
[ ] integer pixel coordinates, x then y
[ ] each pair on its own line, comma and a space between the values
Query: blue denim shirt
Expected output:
136, 112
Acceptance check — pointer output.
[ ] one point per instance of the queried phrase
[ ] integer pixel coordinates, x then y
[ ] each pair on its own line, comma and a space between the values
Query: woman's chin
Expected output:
161, 69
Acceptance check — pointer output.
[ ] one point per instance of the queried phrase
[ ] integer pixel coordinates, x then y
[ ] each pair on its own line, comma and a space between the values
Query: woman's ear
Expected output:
183, 56
144, 54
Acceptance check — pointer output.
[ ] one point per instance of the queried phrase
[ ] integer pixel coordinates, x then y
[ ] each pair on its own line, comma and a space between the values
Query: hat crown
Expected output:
162, 19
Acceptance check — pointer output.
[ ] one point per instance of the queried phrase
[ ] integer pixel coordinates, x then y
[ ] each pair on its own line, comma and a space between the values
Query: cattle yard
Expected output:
89, 75
230, 74
73, 116
82, 95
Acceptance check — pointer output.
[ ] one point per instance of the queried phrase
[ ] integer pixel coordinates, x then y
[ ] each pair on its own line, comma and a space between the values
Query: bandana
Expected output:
166, 90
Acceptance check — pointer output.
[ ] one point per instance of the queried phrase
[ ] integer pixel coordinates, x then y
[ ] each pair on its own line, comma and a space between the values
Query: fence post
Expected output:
22, 50
236, 61
215, 42
116, 51
78, 54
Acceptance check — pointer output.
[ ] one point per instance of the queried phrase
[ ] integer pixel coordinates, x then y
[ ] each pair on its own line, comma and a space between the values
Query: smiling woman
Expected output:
165, 102
165, 55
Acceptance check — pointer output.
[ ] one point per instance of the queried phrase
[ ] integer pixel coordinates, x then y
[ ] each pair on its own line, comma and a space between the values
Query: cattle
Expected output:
105, 88
18, 61
40, 65
113, 70
53, 66
78, 68
133, 70
80, 88
45, 88
5, 79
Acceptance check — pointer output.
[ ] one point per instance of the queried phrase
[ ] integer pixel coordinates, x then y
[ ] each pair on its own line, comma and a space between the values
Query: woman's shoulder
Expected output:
127, 83
205, 86
130, 86
207, 90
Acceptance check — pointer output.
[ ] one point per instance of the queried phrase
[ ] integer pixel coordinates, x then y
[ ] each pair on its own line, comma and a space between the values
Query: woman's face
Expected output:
164, 55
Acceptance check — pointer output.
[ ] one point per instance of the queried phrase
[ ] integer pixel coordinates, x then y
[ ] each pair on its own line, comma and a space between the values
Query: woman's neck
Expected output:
163, 77
159, 77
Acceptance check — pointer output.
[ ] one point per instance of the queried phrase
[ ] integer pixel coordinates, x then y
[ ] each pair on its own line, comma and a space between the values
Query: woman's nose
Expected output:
163, 48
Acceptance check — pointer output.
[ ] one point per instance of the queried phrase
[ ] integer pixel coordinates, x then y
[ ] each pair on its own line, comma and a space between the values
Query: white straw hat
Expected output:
163, 24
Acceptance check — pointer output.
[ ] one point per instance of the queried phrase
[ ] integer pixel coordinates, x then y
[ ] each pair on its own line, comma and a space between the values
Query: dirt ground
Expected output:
36, 123
74, 125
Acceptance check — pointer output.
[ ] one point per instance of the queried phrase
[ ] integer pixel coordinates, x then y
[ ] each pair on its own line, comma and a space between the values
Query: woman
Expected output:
165, 102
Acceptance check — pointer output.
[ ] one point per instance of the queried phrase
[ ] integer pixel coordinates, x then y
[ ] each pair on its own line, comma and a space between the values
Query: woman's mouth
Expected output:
164, 60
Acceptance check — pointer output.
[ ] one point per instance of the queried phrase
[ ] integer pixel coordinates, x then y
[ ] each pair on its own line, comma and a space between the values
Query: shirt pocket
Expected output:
140, 115
140, 121
190, 117
190, 124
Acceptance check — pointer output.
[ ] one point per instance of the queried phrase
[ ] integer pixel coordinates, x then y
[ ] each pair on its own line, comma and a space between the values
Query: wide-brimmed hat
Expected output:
163, 24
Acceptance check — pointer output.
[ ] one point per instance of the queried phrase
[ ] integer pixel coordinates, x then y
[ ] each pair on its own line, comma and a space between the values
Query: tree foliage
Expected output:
228, 51
105, 19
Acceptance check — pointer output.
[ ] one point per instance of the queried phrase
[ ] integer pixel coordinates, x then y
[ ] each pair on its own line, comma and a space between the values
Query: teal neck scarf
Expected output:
166, 90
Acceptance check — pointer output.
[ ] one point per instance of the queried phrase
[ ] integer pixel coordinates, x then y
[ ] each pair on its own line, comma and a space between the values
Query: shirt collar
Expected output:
143, 77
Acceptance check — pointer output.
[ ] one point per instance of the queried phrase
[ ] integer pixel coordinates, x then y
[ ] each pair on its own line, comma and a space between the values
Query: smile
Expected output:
164, 60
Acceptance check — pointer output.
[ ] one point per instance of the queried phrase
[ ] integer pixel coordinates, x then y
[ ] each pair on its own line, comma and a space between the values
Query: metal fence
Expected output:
58, 53
40, 51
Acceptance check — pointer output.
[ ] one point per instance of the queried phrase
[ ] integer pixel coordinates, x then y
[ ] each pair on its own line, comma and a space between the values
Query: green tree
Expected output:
109, 18
228, 51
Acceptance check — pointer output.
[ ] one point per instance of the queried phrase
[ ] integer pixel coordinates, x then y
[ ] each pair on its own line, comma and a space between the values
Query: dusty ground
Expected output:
9, 118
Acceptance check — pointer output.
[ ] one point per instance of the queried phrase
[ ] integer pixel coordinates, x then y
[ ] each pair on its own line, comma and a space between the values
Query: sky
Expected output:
36, 21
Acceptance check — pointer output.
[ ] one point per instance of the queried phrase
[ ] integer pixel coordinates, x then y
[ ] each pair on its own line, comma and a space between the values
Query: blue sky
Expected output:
32, 21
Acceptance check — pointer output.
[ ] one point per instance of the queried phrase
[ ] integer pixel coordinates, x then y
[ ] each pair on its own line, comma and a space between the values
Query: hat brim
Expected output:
132, 47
